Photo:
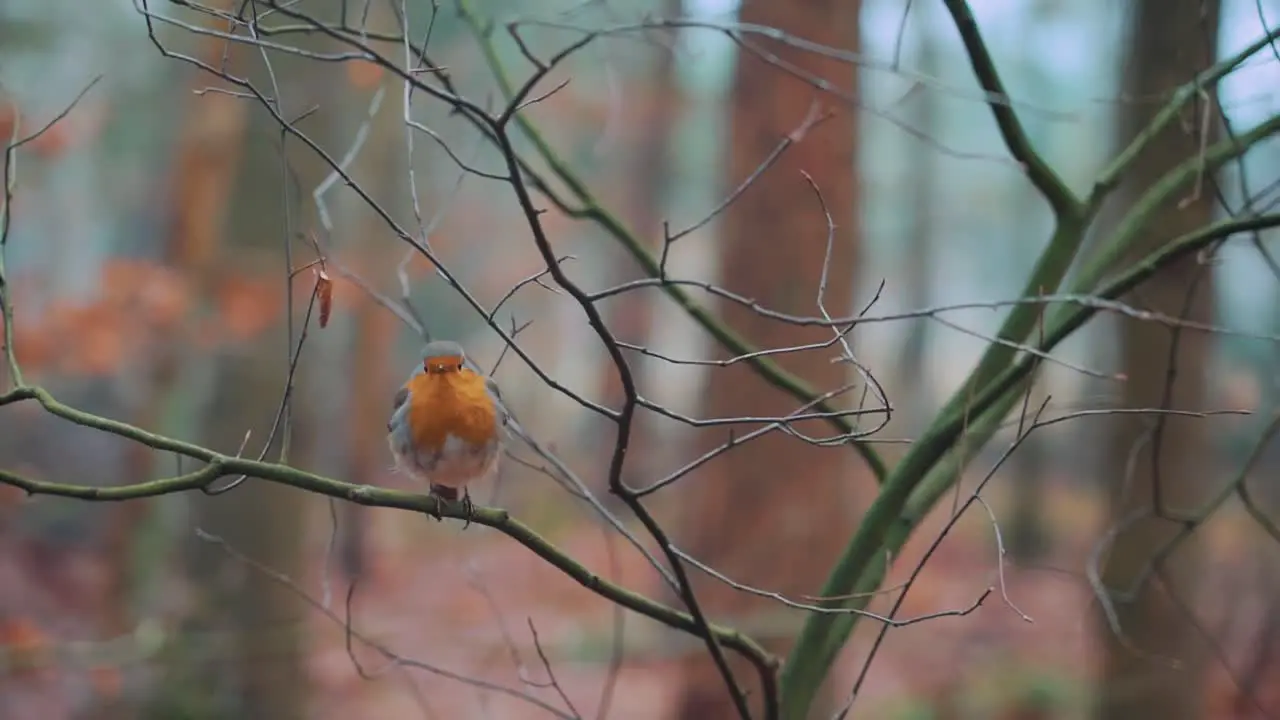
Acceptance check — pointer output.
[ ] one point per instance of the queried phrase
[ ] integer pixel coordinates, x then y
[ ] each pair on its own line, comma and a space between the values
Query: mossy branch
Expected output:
985, 415
932, 464
218, 465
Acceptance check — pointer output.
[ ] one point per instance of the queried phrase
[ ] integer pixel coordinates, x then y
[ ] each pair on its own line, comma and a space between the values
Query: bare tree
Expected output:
769, 502
773, 247
1158, 464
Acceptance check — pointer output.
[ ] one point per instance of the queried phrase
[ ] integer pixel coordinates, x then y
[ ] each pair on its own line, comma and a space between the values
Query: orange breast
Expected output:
454, 403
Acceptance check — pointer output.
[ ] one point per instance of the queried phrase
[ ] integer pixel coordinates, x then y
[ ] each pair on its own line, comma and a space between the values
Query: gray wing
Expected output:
398, 402
508, 419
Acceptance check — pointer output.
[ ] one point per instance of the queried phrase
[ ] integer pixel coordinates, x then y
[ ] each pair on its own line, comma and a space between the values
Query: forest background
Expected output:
1011, 262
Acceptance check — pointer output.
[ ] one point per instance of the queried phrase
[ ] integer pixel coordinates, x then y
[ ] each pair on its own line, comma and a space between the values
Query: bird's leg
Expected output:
468, 507
442, 493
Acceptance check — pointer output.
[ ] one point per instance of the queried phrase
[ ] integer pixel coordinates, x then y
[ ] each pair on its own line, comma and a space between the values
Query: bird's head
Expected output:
442, 356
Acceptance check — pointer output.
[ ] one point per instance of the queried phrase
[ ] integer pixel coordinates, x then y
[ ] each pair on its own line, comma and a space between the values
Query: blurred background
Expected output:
149, 275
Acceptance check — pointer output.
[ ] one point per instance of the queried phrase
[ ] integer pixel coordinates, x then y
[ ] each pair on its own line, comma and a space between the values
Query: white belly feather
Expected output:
456, 464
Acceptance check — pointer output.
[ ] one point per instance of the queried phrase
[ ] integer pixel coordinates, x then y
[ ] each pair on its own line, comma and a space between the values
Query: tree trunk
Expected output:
768, 512
1028, 537
246, 656
260, 618
914, 383
630, 316
1170, 41
382, 169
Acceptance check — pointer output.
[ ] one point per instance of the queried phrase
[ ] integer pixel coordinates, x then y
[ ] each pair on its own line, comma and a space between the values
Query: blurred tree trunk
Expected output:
1028, 539
1170, 40
630, 316
915, 381
208, 161
201, 179
260, 520
381, 168
766, 513
242, 649
649, 190
262, 669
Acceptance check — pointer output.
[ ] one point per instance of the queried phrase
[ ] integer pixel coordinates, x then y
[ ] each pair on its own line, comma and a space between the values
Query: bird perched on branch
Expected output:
447, 423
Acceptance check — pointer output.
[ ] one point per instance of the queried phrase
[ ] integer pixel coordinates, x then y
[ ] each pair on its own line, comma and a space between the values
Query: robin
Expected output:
447, 423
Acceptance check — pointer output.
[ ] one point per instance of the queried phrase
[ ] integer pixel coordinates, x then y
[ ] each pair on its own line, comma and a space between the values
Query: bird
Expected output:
448, 423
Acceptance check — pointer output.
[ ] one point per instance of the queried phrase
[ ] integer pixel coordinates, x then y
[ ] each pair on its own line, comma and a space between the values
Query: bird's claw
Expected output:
441, 497
468, 508
445, 494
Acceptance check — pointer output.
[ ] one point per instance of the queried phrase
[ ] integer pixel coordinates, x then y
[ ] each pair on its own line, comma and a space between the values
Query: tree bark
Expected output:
768, 513
1170, 41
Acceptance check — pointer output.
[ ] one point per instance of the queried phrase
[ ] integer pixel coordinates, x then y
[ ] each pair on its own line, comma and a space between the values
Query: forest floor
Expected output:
993, 662
465, 604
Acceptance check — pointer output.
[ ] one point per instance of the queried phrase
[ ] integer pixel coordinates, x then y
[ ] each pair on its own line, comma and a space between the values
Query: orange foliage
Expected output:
139, 302
99, 336
157, 292
107, 681
246, 308
82, 124
363, 74
25, 644
96, 338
